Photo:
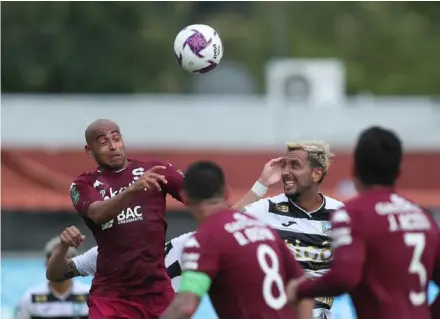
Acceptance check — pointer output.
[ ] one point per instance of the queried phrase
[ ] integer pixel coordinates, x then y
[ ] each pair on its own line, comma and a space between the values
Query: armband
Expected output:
196, 282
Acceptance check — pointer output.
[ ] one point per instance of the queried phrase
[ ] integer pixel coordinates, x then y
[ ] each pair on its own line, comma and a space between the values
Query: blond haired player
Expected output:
301, 214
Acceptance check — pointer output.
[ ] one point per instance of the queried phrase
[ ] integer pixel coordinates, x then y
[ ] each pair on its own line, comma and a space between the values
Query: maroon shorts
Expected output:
149, 306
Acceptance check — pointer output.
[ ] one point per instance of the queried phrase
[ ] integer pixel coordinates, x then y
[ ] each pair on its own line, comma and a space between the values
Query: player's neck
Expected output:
212, 207
61, 287
309, 201
371, 188
109, 169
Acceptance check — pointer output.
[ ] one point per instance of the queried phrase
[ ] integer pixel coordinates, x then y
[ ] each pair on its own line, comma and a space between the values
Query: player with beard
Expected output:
123, 203
302, 213
387, 248
239, 260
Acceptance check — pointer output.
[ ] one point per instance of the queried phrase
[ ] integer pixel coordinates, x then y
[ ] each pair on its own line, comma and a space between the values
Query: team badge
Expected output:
282, 208
326, 228
74, 194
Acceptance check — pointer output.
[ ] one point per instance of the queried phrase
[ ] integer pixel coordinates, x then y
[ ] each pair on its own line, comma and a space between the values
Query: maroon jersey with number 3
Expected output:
386, 250
248, 263
130, 246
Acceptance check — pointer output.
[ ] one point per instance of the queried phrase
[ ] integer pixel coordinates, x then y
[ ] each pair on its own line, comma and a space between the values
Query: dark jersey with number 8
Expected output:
248, 264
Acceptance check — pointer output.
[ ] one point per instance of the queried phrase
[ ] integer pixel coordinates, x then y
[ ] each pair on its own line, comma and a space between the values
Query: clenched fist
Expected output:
150, 179
72, 237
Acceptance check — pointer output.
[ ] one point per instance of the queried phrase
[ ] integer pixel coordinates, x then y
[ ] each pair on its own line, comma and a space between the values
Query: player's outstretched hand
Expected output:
150, 179
271, 173
292, 287
72, 237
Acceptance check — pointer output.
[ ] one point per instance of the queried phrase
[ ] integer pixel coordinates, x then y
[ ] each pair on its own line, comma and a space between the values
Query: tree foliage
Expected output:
388, 47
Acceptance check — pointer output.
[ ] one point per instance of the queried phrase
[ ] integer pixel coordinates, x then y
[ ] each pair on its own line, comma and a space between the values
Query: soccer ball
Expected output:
198, 48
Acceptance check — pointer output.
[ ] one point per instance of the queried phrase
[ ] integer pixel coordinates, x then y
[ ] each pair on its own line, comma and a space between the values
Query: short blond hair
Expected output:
318, 152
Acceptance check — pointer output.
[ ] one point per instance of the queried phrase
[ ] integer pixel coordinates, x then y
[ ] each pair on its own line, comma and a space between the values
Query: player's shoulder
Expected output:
277, 199
331, 203
264, 203
84, 177
80, 287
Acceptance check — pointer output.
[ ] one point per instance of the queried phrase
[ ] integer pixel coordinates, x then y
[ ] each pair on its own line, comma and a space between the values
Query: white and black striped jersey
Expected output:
42, 302
307, 234
86, 262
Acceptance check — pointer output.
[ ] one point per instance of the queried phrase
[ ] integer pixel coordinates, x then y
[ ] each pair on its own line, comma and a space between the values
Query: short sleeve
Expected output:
201, 254
86, 263
82, 195
347, 235
22, 310
174, 177
258, 208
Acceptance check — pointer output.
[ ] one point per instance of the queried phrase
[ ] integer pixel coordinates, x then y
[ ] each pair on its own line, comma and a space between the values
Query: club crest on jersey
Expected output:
326, 228
282, 208
74, 194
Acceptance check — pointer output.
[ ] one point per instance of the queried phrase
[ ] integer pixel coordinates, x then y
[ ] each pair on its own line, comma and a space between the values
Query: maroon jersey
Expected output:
248, 263
385, 254
130, 246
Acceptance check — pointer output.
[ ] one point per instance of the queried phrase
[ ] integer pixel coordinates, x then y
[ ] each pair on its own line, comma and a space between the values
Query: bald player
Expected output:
123, 204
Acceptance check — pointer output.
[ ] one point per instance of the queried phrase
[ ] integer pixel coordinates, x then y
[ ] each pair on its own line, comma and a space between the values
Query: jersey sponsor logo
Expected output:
74, 194
321, 254
128, 215
111, 192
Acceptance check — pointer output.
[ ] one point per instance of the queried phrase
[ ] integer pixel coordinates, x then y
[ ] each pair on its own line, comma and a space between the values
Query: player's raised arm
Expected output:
270, 175
60, 266
199, 265
89, 202
349, 257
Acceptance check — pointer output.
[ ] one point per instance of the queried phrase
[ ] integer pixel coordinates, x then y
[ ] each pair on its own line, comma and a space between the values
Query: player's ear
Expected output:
88, 150
317, 174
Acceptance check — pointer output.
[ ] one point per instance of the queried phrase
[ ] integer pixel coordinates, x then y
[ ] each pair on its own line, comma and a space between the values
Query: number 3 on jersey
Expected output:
417, 242
272, 277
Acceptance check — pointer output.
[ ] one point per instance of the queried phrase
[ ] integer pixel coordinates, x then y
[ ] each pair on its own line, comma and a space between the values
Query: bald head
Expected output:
98, 128
105, 145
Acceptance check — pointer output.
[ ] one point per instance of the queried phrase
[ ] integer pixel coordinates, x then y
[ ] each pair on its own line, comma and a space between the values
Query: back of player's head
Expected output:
377, 157
204, 180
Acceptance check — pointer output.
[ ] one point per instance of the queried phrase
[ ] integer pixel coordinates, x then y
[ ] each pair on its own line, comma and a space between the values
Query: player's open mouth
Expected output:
289, 183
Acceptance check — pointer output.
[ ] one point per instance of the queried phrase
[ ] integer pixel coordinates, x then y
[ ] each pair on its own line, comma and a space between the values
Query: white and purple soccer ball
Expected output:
198, 48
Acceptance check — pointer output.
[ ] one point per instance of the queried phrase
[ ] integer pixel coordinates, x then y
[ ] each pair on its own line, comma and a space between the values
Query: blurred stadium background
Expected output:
291, 70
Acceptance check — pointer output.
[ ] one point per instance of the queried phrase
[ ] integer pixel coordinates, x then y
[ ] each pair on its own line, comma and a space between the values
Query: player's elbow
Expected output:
97, 213
52, 275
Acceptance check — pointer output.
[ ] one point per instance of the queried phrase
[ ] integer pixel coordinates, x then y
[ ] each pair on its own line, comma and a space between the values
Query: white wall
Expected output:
215, 122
